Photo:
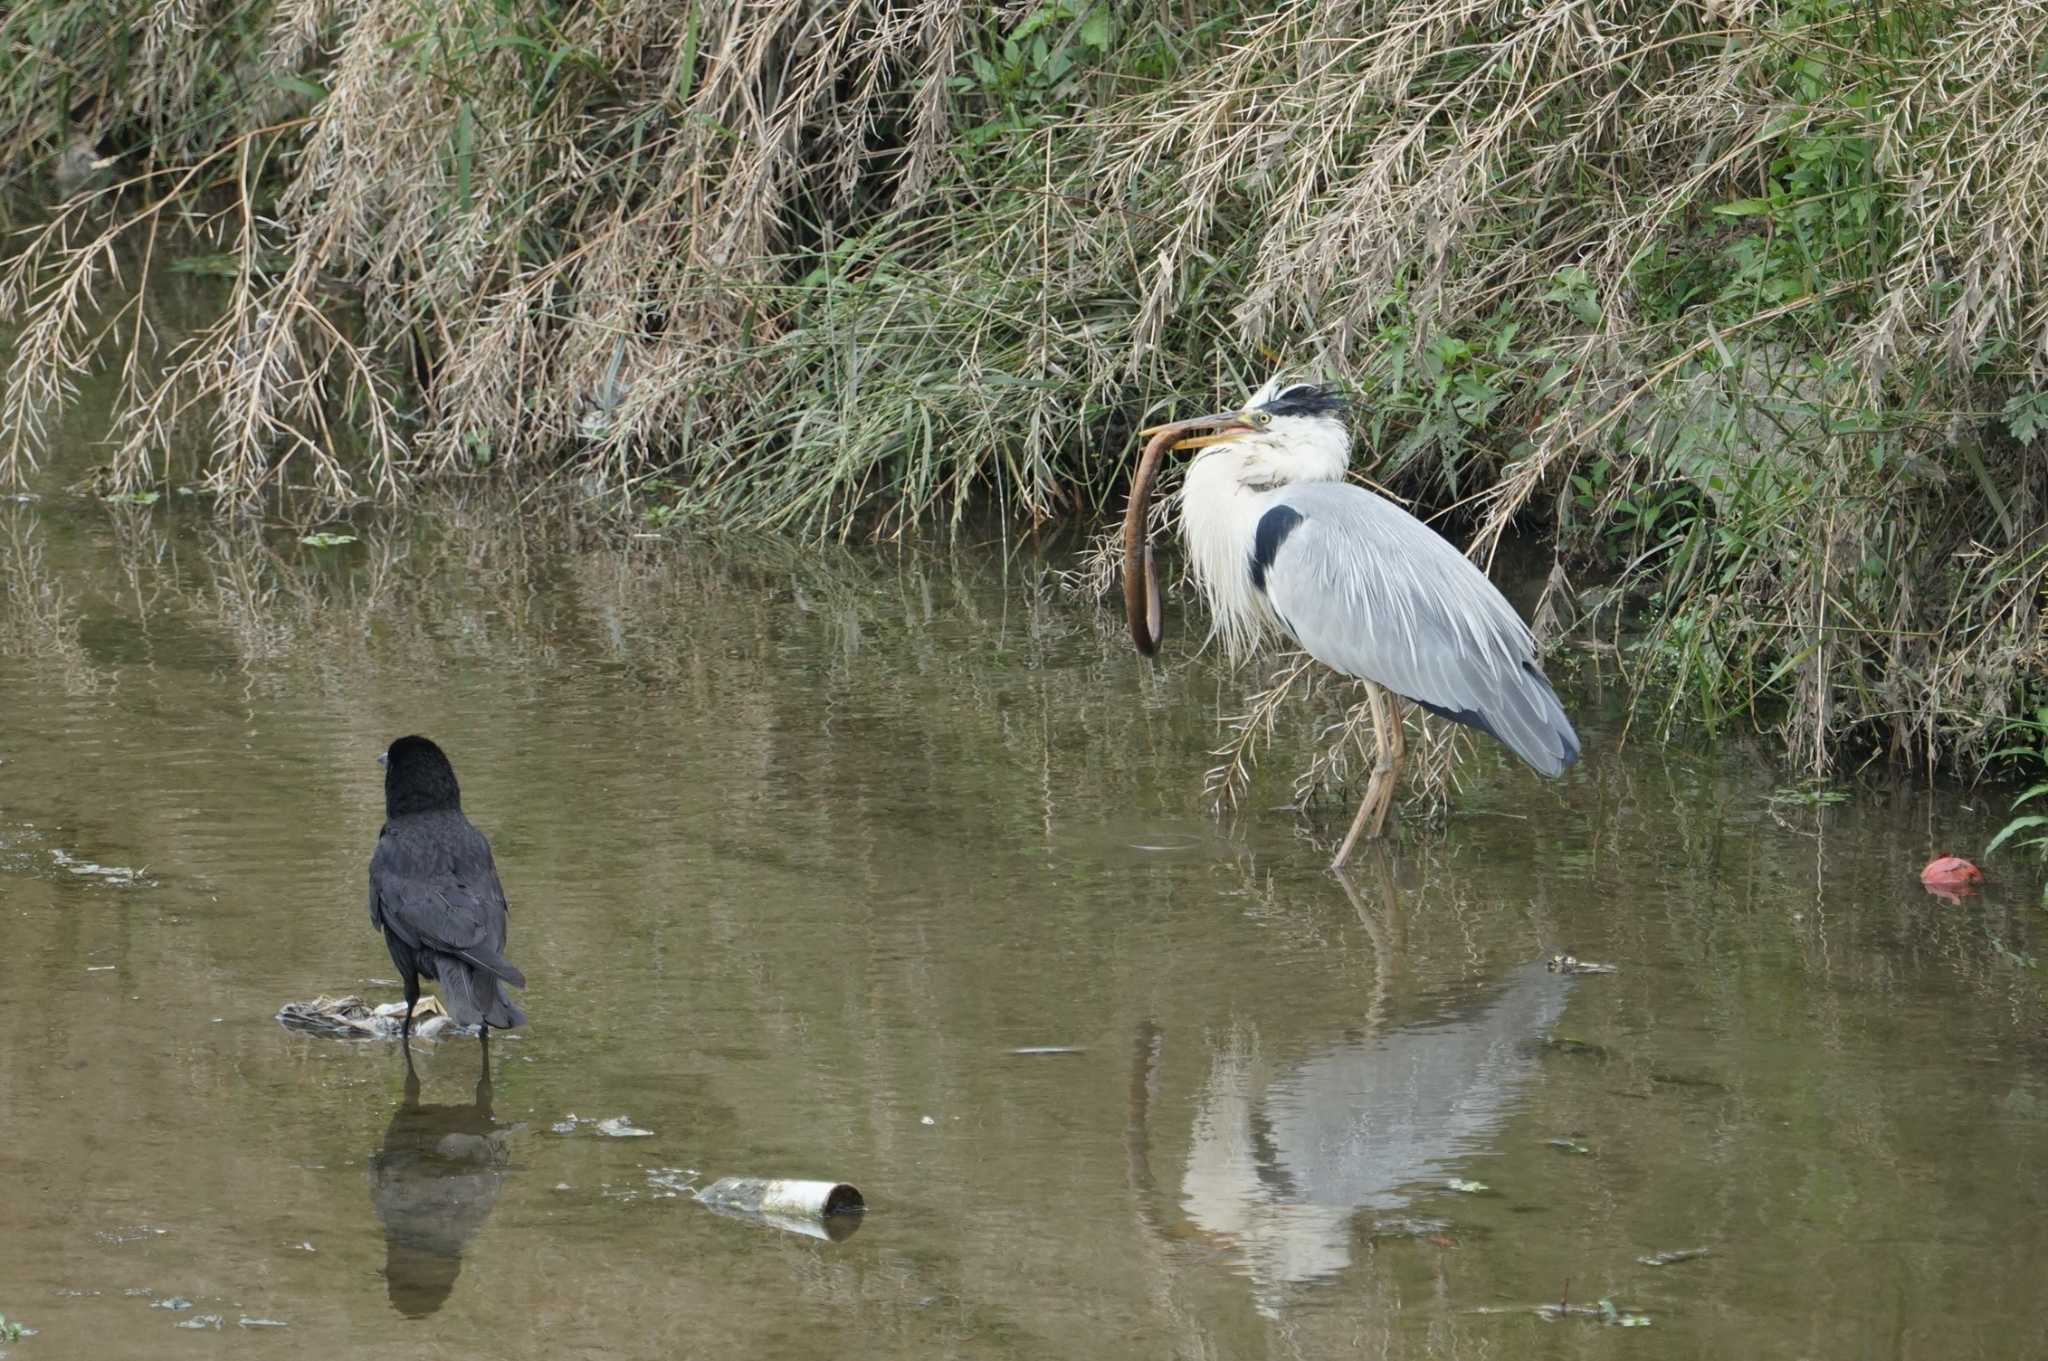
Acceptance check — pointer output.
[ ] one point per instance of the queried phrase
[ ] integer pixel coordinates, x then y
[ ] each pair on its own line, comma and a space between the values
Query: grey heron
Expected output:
1278, 541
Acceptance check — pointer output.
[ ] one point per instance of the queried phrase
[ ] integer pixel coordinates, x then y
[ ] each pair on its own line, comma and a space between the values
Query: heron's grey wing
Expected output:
1369, 589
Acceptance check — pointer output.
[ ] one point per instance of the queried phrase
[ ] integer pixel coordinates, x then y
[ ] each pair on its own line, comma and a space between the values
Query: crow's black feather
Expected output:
434, 892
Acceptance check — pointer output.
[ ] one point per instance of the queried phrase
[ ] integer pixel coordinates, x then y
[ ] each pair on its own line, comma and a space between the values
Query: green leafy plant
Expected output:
2028, 830
1020, 75
2026, 415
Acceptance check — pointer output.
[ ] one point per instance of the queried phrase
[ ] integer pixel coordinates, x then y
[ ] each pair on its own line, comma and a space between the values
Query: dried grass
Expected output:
863, 267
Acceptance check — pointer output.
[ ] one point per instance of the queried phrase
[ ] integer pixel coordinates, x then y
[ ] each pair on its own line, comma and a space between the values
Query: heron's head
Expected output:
1283, 433
1286, 432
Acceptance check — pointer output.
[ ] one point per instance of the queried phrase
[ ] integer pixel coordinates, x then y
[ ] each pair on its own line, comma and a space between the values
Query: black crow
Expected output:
435, 894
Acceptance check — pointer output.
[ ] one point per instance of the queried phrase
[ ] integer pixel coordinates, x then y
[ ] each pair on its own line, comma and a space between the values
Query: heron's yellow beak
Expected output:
1224, 425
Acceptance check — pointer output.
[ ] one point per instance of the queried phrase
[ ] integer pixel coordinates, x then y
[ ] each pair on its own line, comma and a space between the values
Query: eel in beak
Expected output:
1142, 601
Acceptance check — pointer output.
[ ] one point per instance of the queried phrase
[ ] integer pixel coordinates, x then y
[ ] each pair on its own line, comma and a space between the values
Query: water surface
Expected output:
802, 845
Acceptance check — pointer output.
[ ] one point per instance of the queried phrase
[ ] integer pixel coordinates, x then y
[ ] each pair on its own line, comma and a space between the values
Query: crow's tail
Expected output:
490, 961
474, 995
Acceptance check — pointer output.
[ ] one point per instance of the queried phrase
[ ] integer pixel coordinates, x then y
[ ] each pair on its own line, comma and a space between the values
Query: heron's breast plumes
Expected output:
1219, 519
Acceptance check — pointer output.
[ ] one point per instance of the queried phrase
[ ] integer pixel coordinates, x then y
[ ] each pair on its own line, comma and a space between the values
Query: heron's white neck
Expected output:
1228, 487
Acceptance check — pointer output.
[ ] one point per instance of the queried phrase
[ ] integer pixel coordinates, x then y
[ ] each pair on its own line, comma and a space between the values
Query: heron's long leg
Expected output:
1386, 771
1398, 728
1392, 756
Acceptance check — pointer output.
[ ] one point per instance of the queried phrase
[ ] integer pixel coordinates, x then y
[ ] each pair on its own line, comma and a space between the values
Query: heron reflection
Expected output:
1282, 1160
433, 1183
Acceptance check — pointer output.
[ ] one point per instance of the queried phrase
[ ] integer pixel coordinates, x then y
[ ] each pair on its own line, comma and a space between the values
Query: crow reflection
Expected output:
433, 1183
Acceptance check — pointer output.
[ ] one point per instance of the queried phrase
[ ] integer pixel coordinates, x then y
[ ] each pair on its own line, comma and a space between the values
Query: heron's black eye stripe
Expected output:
1274, 527
1306, 399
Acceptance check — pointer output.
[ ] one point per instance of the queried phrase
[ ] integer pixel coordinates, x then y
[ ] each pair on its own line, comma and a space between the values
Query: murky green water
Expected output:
801, 846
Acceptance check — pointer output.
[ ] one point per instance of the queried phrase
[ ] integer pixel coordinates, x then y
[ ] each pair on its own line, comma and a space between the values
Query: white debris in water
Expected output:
246, 1322
618, 1127
671, 1182
131, 1235
201, 1321
174, 1302
927, 1120
113, 874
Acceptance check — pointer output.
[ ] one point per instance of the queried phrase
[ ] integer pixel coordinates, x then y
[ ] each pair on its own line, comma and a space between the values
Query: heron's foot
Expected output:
1372, 815
1388, 748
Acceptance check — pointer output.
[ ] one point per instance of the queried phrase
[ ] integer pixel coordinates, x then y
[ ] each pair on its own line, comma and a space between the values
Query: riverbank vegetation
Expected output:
1741, 304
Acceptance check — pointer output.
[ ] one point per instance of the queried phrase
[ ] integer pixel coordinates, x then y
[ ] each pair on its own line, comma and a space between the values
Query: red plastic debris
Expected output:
1950, 877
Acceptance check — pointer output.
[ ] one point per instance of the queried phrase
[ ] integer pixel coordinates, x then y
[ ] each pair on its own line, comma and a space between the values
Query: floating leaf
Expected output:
1470, 1188
133, 498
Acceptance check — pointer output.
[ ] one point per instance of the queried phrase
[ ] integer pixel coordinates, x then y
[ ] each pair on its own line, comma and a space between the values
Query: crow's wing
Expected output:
433, 885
